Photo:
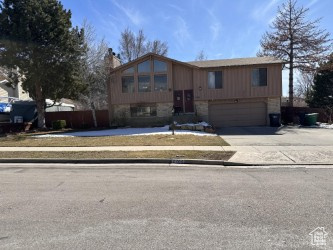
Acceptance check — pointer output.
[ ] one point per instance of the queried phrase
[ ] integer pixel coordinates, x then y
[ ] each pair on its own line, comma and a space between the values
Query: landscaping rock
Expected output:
199, 128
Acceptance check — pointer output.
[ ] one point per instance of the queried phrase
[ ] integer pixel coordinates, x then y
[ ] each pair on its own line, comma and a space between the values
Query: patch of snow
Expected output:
326, 125
129, 132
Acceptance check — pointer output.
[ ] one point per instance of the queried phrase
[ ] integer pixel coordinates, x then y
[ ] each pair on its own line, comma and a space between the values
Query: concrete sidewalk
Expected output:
244, 154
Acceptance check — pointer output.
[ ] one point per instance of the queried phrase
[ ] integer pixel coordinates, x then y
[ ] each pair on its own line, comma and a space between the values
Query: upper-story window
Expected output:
129, 71
161, 82
215, 80
127, 83
144, 83
160, 66
259, 77
144, 67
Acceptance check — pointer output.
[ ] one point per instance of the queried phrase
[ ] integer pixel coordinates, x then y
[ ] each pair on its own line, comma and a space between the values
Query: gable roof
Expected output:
236, 62
209, 63
150, 55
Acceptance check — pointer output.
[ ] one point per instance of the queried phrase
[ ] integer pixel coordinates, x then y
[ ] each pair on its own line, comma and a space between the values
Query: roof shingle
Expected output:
236, 62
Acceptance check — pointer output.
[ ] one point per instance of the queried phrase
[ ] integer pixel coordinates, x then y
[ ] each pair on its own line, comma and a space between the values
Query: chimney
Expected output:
114, 60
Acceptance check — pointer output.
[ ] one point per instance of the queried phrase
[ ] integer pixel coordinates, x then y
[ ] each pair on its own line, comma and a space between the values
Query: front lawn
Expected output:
208, 155
143, 140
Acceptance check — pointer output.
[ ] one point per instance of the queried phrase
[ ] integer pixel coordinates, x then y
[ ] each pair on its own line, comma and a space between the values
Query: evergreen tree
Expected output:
38, 41
321, 95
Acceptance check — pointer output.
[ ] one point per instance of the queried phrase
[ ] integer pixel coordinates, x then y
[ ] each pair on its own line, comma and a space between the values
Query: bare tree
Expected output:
304, 84
201, 56
157, 47
133, 46
301, 43
95, 71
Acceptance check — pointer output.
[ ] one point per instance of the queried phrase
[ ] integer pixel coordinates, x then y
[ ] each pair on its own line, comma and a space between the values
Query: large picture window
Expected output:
161, 82
144, 84
259, 77
143, 110
127, 84
215, 80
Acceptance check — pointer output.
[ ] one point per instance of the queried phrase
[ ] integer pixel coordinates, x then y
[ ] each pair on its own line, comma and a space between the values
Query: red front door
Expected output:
178, 101
188, 94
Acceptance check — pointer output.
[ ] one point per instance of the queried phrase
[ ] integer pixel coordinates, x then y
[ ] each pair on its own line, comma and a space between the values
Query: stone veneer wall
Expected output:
201, 109
273, 106
164, 109
122, 116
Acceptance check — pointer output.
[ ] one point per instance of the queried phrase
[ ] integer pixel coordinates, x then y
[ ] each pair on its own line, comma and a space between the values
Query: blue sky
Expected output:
222, 28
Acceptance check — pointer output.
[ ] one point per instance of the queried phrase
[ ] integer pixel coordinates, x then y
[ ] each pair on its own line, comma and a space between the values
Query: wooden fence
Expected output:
78, 119
291, 114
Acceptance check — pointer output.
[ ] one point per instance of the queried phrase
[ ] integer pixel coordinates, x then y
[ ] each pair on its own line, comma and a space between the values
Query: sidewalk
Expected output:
244, 154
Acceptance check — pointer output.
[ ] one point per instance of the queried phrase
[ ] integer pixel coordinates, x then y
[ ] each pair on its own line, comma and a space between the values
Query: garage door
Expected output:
237, 114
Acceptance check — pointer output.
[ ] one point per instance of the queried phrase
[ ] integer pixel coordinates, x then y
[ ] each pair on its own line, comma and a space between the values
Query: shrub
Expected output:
59, 124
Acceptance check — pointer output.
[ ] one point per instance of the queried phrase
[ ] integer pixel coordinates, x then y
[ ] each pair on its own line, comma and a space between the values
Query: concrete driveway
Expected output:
285, 145
284, 136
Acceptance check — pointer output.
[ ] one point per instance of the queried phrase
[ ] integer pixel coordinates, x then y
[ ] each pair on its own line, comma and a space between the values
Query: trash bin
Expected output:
310, 119
274, 119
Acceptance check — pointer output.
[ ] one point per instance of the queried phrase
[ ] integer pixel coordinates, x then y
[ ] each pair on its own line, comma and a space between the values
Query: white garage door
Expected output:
237, 114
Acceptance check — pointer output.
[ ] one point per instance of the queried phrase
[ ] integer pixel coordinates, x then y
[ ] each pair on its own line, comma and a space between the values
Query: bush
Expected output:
59, 124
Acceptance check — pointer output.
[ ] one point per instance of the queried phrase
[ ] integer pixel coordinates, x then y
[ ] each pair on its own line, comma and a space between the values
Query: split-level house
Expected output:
233, 92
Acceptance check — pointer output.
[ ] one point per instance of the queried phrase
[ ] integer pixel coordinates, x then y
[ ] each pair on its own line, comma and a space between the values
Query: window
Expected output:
144, 83
127, 84
259, 77
129, 70
215, 80
160, 66
143, 110
144, 67
161, 82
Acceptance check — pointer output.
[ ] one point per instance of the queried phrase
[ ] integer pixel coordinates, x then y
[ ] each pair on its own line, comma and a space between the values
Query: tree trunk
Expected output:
40, 103
93, 111
291, 84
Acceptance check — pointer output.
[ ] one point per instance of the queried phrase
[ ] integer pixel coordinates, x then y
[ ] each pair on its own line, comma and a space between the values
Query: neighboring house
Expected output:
8, 91
298, 102
231, 92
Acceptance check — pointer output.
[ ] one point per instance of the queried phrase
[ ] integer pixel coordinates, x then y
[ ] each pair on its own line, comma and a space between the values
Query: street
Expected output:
163, 207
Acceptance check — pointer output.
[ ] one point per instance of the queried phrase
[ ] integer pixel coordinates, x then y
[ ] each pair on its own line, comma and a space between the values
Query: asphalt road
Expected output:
163, 207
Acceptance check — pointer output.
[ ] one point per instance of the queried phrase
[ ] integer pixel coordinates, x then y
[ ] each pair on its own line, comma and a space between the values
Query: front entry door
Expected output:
188, 94
178, 101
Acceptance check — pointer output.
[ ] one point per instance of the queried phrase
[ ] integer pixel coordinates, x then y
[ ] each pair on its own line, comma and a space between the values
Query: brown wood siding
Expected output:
182, 77
237, 83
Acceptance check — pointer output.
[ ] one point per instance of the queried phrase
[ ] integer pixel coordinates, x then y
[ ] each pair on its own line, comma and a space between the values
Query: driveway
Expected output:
285, 145
269, 136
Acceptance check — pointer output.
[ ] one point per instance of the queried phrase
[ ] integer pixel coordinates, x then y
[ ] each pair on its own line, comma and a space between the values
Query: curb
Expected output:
151, 161
112, 161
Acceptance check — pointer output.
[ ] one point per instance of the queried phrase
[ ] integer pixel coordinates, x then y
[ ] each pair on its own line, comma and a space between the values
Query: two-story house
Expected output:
231, 92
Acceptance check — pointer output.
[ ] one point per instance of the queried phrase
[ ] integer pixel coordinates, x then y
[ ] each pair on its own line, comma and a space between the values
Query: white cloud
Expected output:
181, 32
176, 7
215, 26
261, 11
312, 2
134, 15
